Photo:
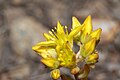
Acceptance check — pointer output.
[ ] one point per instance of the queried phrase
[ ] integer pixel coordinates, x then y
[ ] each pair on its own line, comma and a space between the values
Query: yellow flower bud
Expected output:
55, 74
93, 58
96, 34
75, 22
88, 47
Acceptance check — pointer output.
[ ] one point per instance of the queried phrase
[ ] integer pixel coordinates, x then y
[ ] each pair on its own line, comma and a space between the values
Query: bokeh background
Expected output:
23, 22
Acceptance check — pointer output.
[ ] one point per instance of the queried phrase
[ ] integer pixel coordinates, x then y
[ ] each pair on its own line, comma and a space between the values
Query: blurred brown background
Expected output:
23, 22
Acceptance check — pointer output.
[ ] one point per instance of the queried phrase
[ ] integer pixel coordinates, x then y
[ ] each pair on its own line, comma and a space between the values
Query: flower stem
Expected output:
76, 77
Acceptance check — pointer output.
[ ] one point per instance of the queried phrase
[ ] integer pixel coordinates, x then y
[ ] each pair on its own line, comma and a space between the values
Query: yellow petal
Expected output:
86, 30
75, 22
47, 53
50, 62
60, 34
47, 43
88, 47
96, 34
55, 74
35, 47
83, 37
39, 46
74, 32
87, 25
39, 49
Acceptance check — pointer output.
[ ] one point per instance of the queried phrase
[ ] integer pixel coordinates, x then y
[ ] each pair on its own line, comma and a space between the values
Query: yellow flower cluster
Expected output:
57, 51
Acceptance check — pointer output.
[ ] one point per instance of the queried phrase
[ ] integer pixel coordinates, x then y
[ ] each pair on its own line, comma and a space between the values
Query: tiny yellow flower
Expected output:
55, 74
57, 50
58, 47
67, 57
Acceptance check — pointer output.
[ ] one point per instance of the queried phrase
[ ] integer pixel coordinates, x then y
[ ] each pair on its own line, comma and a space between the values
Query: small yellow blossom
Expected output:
57, 50
67, 57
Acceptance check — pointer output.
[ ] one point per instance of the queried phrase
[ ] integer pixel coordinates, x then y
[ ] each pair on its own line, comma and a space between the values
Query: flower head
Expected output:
57, 50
